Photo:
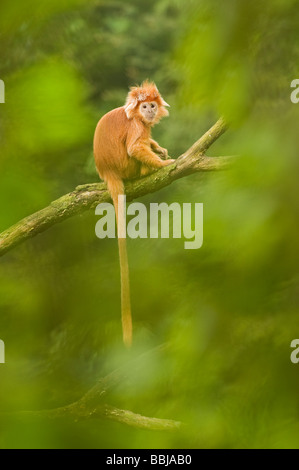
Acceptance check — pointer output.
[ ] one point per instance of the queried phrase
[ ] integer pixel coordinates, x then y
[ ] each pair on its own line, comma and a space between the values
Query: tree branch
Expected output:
88, 196
91, 404
77, 412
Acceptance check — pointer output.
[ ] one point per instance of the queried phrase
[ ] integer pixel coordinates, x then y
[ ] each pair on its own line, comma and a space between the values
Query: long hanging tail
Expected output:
116, 188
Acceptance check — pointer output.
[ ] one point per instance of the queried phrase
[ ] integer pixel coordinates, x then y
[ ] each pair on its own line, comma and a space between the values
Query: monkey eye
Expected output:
144, 106
152, 105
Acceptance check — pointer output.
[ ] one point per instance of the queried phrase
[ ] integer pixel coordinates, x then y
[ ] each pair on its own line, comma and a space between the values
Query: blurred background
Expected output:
227, 311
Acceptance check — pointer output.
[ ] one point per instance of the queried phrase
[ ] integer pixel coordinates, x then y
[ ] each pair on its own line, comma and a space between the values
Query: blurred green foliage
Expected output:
229, 310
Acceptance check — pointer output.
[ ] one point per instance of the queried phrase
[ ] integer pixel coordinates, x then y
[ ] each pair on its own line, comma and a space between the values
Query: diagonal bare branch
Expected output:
87, 196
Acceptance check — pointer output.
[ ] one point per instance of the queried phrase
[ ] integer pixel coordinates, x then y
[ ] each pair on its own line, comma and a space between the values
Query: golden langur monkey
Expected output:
124, 149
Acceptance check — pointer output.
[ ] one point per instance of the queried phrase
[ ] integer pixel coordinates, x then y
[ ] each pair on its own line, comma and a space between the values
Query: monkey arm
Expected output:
154, 145
158, 149
142, 151
138, 145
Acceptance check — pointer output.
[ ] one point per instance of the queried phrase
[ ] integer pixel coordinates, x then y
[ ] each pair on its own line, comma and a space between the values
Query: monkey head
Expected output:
146, 103
148, 110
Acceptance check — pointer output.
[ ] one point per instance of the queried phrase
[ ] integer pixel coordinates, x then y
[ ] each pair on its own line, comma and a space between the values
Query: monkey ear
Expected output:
129, 106
164, 103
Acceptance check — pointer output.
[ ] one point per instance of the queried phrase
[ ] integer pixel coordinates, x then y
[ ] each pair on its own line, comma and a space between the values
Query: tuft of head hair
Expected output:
148, 91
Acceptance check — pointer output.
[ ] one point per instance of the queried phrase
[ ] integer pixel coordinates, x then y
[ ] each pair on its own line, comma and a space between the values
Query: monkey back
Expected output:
110, 150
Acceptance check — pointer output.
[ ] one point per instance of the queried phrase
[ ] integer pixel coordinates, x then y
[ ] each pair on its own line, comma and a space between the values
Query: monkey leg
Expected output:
146, 170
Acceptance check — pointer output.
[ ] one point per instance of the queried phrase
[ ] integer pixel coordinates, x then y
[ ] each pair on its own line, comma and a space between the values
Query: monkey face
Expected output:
148, 110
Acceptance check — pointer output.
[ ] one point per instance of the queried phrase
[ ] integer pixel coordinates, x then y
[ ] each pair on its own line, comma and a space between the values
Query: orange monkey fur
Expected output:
124, 149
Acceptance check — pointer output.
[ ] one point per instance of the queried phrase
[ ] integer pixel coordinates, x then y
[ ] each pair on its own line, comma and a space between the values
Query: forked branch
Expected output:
88, 196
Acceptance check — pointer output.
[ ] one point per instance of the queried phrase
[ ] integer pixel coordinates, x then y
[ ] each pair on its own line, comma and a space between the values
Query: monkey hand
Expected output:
169, 161
163, 153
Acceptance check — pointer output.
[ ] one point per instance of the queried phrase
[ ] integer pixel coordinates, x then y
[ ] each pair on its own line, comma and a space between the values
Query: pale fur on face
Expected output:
148, 110
147, 95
